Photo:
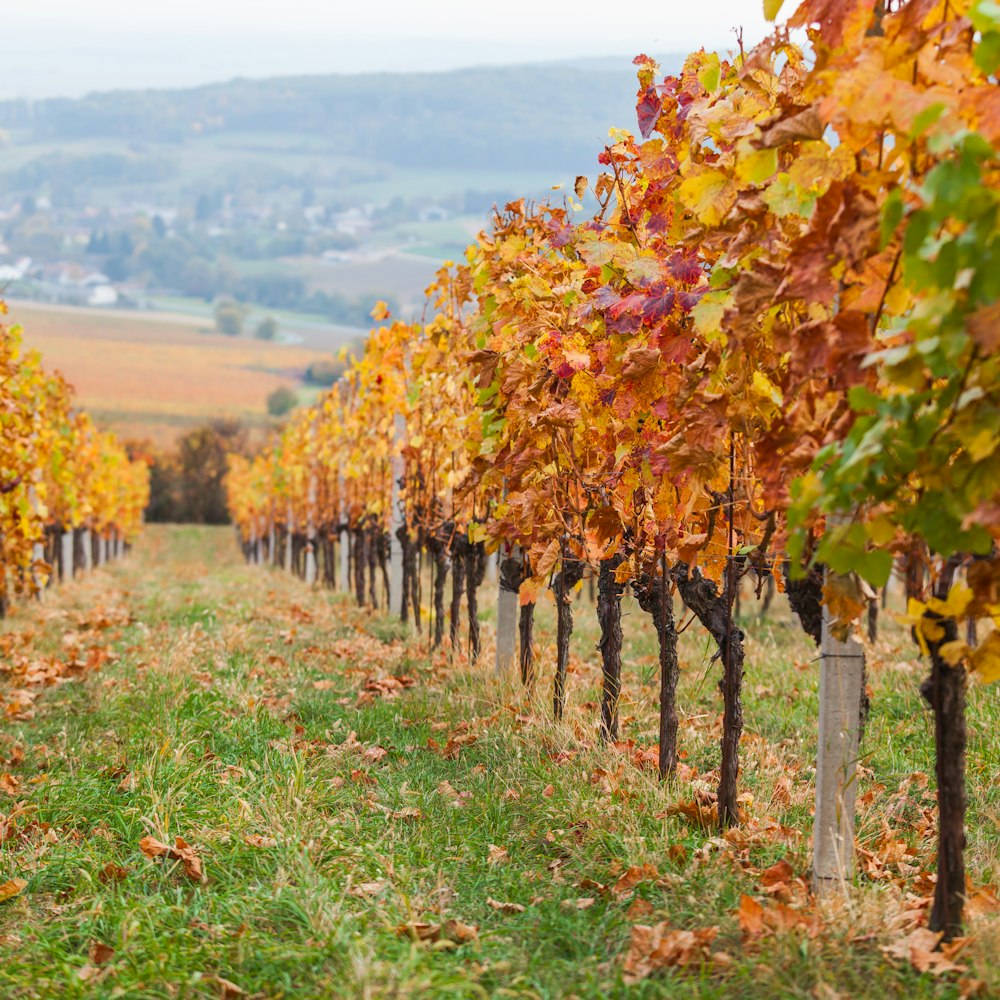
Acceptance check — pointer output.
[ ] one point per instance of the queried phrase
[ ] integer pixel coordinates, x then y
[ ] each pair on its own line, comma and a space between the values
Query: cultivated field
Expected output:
155, 375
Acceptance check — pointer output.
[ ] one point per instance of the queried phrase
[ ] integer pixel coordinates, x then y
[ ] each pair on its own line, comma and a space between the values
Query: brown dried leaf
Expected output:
662, 946
227, 990
100, 953
498, 855
504, 907
419, 930
113, 873
181, 851
258, 840
455, 930
363, 889
11, 888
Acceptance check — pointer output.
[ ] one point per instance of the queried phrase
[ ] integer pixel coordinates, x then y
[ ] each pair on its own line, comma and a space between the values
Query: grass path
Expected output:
374, 822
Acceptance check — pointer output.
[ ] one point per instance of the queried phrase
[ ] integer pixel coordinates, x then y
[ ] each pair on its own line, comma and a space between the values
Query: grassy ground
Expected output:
346, 795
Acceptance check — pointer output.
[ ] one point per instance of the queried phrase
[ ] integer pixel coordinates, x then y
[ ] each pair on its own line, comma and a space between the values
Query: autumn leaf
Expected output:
11, 888
258, 840
228, 990
709, 193
504, 907
181, 851
498, 855
662, 946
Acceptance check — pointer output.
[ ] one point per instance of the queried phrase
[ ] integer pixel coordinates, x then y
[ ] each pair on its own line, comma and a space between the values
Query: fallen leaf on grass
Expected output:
10, 785
451, 931
11, 888
363, 889
455, 930
113, 873
632, 876
258, 840
419, 930
410, 812
498, 855
662, 946
757, 920
227, 990
504, 907
780, 872
100, 953
919, 948
639, 908
181, 851
584, 903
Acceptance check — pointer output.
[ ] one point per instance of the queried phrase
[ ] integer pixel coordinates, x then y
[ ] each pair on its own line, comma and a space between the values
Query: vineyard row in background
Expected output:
70, 496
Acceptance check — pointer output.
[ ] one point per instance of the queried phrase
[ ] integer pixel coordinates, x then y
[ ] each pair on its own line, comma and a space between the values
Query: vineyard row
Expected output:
768, 346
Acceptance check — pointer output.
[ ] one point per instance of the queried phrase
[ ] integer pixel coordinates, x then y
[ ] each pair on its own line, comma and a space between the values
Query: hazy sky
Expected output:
65, 47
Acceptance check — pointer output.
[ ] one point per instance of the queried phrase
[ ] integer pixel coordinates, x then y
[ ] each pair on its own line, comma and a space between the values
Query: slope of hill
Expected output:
549, 116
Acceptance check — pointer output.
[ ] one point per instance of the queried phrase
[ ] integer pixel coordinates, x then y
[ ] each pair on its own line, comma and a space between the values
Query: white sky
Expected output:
67, 47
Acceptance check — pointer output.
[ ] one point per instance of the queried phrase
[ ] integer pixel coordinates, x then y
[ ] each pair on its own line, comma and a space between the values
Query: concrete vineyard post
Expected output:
289, 535
840, 689
66, 540
88, 553
508, 608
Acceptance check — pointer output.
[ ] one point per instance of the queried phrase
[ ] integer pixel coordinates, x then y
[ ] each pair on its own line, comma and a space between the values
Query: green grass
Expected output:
222, 718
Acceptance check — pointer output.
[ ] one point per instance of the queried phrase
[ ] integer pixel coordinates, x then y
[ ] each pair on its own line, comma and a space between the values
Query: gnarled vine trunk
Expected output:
712, 609
526, 652
655, 597
609, 616
569, 575
475, 570
944, 691
459, 550
440, 554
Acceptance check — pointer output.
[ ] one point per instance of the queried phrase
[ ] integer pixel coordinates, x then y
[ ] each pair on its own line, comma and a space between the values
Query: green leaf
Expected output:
711, 73
987, 54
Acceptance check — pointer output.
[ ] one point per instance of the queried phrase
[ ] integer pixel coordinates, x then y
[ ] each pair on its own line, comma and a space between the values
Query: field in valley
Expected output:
156, 375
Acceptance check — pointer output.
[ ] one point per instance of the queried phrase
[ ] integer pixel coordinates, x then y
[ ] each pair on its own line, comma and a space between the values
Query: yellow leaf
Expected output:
477, 532
766, 388
771, 8
954, 652
710, 194
11, 888
986, 658
957, 603
757, 166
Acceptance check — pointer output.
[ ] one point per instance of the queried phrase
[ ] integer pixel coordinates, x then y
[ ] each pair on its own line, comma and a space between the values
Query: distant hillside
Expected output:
550, 117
